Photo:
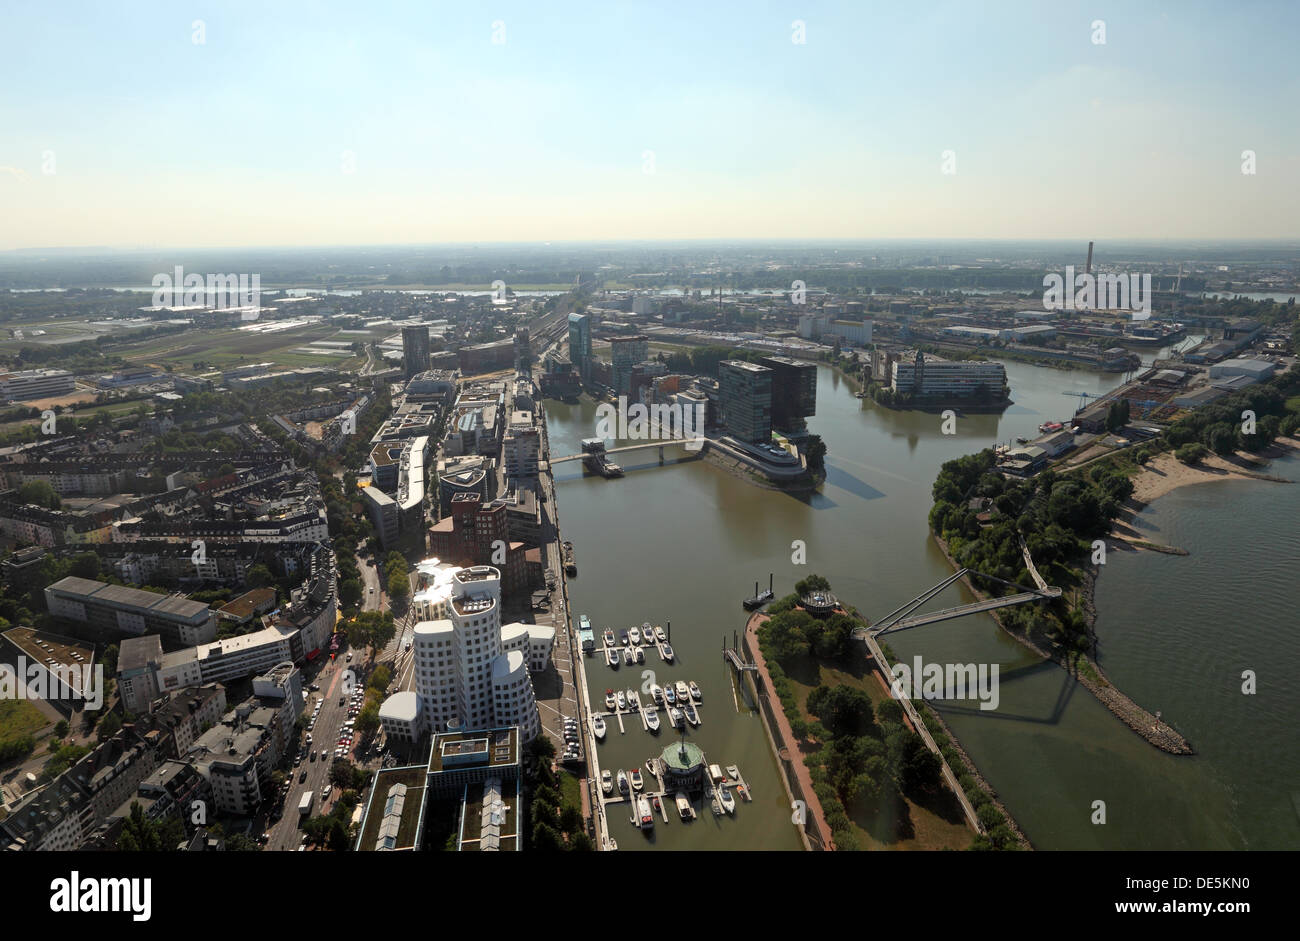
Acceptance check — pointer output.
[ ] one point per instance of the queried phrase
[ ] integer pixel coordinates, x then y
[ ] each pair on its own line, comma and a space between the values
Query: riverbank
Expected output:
1093, 678
738, 468
1164, 474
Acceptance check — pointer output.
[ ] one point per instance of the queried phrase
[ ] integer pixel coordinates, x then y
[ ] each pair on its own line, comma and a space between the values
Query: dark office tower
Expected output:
523, 350
745, 398
415, 350
794, 392
580, 344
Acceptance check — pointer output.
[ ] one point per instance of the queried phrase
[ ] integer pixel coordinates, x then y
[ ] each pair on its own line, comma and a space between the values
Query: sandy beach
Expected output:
1165, 473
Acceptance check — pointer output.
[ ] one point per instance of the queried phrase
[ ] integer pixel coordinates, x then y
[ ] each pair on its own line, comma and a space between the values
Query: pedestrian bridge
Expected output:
691, 444
902, 619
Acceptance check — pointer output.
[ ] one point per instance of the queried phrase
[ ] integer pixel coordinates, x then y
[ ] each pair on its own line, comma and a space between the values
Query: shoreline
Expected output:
1164, 474
1156, 731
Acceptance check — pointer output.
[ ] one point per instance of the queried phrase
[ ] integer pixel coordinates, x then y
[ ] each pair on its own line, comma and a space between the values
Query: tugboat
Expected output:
760, 597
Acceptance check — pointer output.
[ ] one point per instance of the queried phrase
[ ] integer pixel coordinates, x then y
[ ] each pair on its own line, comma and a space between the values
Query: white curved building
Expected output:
464, 677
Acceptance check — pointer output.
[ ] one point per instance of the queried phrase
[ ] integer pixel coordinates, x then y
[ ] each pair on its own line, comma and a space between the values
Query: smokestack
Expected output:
1088, 269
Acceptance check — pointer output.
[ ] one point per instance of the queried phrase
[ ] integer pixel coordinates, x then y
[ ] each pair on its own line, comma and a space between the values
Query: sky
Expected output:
193, 124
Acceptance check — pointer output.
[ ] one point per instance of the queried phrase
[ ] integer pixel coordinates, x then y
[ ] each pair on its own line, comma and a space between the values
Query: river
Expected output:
686, 541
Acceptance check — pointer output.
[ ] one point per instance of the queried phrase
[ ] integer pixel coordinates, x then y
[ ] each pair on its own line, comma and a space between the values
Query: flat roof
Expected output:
408, 826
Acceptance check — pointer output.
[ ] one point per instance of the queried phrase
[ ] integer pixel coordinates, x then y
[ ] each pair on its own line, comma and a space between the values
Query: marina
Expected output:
680, 778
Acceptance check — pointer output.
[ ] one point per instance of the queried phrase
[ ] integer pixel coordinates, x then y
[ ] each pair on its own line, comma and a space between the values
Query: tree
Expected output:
258, 576
845, 711
40, 493
85, 565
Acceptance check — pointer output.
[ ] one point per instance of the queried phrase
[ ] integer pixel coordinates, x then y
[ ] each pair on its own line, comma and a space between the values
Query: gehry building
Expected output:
469, 672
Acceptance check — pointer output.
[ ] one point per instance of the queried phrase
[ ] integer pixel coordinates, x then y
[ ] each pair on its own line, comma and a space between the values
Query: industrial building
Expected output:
929, 376
35, 384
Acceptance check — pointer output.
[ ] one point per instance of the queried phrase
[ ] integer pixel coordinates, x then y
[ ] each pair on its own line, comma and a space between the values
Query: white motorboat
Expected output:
670, 696
634, 635
633, 700
611, 657
609, 637
728, 802
622, 781
657, 693
734, 772
637, 782
627, 656
621, 698
598, 728
607, 782
692, 716
668, 653
645, 817
638, 654
683, 692
683, 806
695, 691
652, 720
675, 717
660, 635
609, 699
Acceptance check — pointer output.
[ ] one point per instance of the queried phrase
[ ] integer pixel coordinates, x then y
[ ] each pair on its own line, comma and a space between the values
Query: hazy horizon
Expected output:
332, 126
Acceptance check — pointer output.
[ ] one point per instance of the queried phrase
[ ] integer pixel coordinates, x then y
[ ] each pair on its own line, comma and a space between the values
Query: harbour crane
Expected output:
1083, 399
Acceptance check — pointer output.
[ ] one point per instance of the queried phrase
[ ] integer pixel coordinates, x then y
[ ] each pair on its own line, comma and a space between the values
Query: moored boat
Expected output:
637, 782
734, 772
611, 657
683, 692
609, 637
652, 720
692, 716
670, 696
621, 698
638, 654
634, 635
695, 691
657, 693
609, 698
627, 656
633, 700
675, 717
715, 773
728, 802
683, 806
598, 728
660, 635
668, 653
622, 781
645, 817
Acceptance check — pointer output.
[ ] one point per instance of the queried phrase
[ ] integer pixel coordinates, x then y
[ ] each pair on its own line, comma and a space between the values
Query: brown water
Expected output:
685, 542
